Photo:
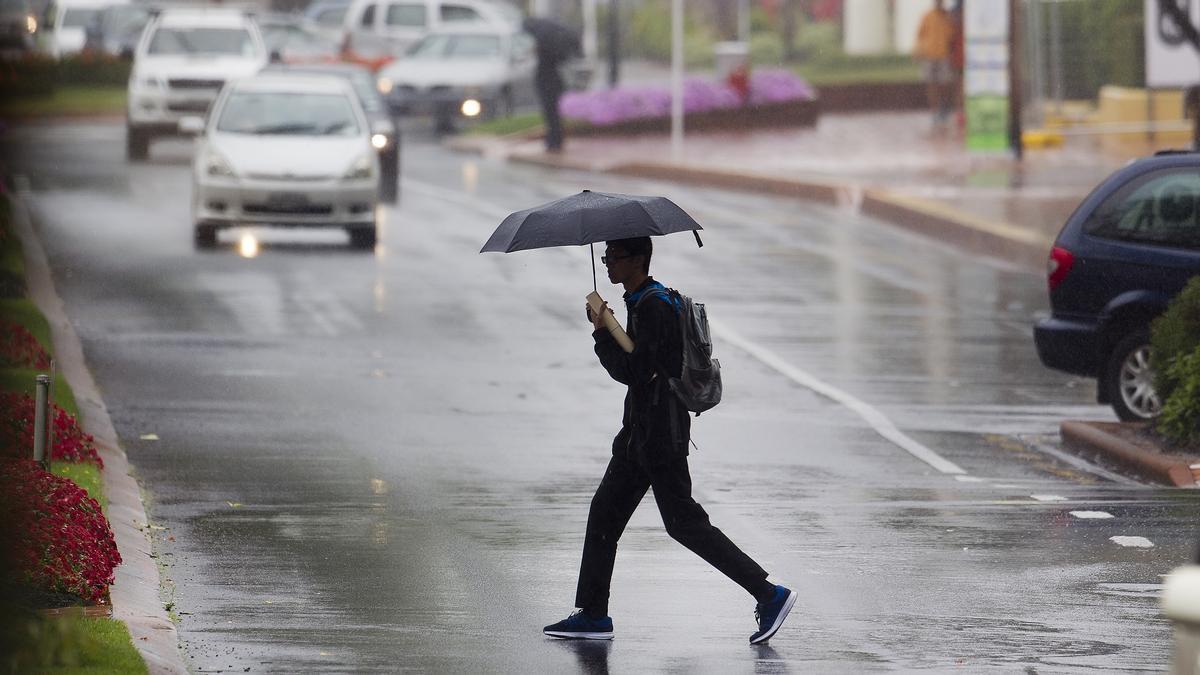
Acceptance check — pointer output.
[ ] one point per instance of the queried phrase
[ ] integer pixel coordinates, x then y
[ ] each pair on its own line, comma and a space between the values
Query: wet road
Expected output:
382, 462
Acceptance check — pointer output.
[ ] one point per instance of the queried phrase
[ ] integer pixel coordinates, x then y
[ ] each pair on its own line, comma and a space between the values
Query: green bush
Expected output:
40, 75
766, 49
1180, 419
650, 36
1174, 334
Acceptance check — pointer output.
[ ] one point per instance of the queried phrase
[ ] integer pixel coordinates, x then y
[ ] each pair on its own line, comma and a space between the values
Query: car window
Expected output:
334, 16
443, 46
78, 17
1162, 207
452, 13
407, 15
218, 41
288, 114
368, 17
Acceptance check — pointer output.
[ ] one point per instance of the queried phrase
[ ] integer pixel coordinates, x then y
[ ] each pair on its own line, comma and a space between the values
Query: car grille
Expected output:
188, 106
288, 177
189, 83
289, 209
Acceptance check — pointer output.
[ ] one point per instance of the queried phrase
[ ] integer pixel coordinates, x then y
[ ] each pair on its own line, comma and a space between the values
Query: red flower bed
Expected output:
59, 540
16, 432
19, 349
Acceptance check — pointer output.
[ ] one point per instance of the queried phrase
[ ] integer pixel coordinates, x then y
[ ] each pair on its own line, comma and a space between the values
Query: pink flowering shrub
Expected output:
16, 432
58, 540
611, 106
20, 349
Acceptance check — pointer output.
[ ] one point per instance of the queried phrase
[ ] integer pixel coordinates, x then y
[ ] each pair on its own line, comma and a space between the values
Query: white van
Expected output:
64, 28
400, 23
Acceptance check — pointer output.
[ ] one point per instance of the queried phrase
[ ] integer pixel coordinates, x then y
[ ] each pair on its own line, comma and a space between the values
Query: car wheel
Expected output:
504, 106
389, 179
137, 144
362, 237
1130, 381
205, 235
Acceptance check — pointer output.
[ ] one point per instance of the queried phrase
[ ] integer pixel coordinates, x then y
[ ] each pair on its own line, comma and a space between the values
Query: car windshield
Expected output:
288, 114
78, 17
122, 20
442, 47
218, 41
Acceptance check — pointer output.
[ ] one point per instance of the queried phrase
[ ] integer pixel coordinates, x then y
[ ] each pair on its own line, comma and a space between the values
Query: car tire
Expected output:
389, 178
1129, 381
137, 144
504, 105
362, 237
205, 235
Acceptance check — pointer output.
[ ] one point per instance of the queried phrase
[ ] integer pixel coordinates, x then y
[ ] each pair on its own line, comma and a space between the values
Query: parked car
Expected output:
463, 73
1129, 248
64, 29
115, 30
401, 23
18, 25
183, 58
385, 135
285, 150
291, 39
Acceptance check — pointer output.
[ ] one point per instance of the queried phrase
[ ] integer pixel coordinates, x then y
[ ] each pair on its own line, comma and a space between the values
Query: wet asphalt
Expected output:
382, 462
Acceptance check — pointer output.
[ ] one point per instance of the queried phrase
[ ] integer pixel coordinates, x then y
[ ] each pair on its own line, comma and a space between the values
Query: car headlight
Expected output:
362, 168
471, 107
151, 82
379, 141
31, 23
384, 85
216, 165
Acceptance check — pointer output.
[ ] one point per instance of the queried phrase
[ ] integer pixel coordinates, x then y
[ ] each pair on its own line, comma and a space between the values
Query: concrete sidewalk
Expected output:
894, 166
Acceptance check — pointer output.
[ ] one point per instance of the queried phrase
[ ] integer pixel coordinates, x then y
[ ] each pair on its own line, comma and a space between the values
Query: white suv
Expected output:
401, 23
184, 57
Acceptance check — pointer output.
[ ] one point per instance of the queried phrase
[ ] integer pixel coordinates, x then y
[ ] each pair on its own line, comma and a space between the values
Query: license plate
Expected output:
287, 199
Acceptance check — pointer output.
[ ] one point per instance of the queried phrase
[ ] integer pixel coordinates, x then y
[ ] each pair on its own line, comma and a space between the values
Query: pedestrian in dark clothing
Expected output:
651, 451
555, 44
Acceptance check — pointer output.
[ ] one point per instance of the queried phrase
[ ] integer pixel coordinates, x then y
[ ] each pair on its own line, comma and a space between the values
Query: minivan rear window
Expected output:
1161, 207
406, 15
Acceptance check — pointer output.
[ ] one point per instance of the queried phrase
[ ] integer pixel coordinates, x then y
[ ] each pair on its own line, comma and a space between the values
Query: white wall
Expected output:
906, 20
866, 27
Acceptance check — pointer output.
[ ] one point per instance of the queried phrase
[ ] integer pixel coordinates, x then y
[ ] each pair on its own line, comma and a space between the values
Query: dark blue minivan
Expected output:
1129, 248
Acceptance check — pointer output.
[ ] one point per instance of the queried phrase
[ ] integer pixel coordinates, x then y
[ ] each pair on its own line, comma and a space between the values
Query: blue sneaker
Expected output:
580, 626
770, 615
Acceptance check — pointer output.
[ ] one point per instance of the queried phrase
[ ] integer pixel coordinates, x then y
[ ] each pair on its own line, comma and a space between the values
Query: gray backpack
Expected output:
699, 384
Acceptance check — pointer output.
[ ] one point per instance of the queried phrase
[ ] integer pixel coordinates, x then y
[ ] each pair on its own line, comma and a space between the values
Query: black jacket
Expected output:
655, 427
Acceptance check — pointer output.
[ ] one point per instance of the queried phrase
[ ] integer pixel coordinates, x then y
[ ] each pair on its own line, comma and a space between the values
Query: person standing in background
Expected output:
935, 37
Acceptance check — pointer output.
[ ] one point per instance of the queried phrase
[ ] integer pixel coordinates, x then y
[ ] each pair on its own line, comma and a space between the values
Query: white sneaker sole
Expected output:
787, 607
578, 636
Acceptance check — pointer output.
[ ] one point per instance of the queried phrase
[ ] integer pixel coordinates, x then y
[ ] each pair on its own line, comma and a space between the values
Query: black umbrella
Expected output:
556, 42
589, 217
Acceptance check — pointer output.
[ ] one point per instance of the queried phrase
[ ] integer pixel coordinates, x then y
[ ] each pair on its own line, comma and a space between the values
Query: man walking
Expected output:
651, 451
555, 44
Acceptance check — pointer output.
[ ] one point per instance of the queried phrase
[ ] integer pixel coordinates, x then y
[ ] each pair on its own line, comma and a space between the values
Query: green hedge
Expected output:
39, 75
1175, 358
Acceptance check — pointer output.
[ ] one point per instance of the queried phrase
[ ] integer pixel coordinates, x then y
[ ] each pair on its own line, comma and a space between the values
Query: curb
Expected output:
1091, 440
135, 591
924, 216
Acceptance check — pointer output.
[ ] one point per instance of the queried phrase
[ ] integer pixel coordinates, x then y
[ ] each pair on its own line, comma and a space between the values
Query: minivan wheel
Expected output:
1130, 380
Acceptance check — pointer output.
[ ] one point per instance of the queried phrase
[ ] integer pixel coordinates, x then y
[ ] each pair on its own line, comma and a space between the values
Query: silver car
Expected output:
285, 150
461, 74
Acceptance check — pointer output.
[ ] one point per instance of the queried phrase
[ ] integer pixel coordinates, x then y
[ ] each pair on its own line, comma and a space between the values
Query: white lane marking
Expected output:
1048, 498
968, 479
1092, 514
878, 421
1135, 542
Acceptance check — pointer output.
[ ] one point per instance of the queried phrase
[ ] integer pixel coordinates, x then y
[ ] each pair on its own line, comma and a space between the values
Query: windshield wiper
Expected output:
293, 128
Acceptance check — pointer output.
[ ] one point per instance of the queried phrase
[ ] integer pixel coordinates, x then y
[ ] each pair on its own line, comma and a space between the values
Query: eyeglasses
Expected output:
605, 259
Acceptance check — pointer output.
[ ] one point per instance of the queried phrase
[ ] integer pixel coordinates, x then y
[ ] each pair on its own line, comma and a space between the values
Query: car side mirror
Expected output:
191, 126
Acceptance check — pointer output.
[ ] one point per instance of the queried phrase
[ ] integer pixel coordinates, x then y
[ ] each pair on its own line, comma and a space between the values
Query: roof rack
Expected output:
1176, 151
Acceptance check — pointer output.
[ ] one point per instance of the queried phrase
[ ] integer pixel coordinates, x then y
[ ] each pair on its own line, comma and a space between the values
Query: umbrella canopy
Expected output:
589, 217
556, 42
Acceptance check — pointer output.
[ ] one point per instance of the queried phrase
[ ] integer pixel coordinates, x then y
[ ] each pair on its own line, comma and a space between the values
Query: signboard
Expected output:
985, 76
1171, 60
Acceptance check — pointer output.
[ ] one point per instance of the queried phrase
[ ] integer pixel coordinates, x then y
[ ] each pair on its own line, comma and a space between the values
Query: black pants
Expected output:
549, 91
623, 486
